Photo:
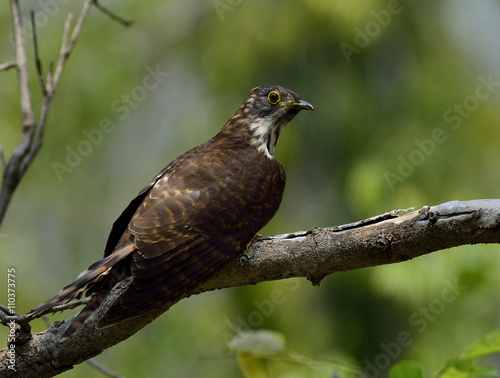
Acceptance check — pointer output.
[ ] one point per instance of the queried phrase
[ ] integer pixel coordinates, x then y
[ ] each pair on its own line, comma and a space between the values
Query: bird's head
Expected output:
264, 115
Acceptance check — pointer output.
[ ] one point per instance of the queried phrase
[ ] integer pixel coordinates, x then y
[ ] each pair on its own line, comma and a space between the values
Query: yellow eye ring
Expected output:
273, 97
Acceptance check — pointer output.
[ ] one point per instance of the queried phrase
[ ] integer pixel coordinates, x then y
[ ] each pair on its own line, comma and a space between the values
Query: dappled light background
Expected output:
407, 114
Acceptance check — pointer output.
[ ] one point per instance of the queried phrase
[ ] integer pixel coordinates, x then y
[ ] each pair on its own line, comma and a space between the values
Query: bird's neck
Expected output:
264, 135
261, 134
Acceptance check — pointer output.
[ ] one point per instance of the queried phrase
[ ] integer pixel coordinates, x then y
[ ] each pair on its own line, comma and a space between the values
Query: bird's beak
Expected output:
301, 105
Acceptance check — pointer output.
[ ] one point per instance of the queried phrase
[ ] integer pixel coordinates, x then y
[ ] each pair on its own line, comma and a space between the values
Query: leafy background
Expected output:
371, 110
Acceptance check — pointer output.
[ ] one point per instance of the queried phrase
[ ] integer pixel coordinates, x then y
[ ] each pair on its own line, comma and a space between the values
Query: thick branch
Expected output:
313, 254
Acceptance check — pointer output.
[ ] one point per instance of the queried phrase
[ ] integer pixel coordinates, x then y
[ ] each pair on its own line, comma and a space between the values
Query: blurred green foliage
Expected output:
384, 77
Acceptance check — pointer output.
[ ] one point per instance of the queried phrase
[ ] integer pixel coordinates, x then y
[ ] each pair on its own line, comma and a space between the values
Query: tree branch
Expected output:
32, 134
112, 15
313, 254
12, 175
8, 65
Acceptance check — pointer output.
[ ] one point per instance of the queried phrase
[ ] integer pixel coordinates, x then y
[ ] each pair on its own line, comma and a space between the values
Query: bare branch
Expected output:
10, 318
8, 65
102, 368
2, 159
32, 135
13, 171
112, 15
65, 36
63, 54
67, 47
22, 69
312, 254
37, 56
6, 314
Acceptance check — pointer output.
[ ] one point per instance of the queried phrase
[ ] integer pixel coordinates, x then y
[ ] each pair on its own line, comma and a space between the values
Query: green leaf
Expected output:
253, 367
487, 344
453, 372
467, 369
406, 369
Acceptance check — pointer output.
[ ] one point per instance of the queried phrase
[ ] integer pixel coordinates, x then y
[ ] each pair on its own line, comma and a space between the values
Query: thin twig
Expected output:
60, 62
47, 320
37, 56
22, 68
6, 314
67, 48
102, 368
2, 159
50, 75
113, 16
23, 331
65, 36
8, 65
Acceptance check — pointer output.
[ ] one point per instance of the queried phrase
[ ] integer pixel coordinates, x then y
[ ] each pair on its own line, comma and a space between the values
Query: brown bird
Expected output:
202, 209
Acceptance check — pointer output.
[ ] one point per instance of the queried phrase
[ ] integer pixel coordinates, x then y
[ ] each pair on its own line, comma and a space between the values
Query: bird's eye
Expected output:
274, 97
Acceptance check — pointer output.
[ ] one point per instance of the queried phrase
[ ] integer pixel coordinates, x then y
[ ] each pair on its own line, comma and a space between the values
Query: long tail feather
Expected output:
99, 278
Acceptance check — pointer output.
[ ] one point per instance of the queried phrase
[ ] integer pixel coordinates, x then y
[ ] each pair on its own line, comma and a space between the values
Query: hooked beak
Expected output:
301, 105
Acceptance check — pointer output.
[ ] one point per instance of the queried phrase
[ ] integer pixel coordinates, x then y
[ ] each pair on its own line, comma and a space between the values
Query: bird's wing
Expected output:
201, 213
121, 223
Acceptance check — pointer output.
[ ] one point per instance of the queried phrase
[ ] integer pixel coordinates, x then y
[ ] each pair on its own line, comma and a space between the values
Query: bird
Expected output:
200, 211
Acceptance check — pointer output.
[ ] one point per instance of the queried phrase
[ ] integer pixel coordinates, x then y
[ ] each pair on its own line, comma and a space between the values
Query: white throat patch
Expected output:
264, 135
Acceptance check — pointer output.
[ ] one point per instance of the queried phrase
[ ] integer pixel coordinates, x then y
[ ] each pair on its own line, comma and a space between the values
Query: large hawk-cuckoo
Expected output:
202, 209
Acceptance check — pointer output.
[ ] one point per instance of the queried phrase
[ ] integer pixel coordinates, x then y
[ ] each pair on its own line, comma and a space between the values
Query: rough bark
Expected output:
313, 254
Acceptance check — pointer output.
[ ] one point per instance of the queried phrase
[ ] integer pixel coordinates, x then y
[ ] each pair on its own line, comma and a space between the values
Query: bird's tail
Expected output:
99, 278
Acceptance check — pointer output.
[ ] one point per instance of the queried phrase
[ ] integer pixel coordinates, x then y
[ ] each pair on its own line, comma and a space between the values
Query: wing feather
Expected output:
191, 221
